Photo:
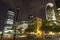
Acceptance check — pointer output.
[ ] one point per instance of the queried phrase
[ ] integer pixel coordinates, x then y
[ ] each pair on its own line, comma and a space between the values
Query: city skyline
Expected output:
34, 7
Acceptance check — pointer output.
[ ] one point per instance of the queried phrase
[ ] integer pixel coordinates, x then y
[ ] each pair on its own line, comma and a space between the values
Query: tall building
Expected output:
9, 21
50, 13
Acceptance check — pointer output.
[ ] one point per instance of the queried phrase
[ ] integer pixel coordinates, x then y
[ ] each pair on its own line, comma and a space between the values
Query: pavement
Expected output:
30, 37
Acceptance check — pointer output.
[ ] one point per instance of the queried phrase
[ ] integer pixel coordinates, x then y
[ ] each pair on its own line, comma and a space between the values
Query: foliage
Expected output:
30, 28
47, 27
56, 28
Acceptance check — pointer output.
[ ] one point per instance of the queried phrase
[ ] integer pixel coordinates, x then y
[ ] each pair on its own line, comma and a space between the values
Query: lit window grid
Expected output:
10, 13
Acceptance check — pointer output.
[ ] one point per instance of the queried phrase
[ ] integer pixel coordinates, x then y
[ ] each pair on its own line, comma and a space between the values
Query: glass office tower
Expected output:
50, 13
9, 21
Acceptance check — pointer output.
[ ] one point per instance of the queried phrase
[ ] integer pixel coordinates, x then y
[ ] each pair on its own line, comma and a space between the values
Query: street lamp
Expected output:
17, 11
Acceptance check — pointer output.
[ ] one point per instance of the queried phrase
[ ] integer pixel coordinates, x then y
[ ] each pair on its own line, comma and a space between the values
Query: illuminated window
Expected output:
9, 21
10, 13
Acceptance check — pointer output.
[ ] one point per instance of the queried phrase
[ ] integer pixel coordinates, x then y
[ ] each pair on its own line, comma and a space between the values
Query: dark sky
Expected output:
34, 7
57, 3
3, 15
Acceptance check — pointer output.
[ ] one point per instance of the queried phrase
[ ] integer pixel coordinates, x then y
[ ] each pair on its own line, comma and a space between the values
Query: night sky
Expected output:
34, 7
57, 3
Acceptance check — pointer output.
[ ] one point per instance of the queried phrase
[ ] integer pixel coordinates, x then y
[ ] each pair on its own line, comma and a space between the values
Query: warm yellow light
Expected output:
58, 32
22, 36
51, 33
38, 33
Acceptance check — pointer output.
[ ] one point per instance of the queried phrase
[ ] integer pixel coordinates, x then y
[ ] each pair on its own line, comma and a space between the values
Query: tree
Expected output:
48, 26
30, 28
56, 28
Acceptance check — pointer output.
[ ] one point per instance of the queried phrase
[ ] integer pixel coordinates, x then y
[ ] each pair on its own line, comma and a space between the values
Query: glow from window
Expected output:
8, 27
59, 14
56, 23
11, 13
58, 9
51, 33
0, 32
9, 21
6, 31
53, 18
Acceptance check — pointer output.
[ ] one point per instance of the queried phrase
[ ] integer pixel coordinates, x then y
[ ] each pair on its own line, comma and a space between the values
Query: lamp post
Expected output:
17, 11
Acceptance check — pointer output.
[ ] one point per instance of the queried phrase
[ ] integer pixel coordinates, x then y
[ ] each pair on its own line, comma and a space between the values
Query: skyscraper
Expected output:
50, 13
9, 21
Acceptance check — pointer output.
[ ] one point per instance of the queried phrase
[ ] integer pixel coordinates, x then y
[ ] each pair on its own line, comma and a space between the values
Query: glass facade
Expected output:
50, 13
9, 21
